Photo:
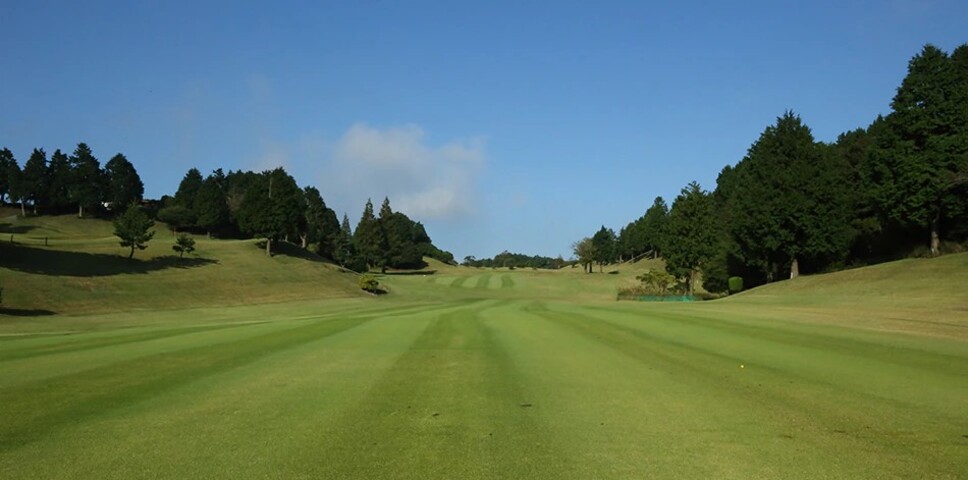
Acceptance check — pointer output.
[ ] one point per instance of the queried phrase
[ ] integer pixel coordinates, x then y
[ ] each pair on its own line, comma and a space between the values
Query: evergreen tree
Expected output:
391, 238
603, 243
652, 232
273, 208
188, 188
34, 179
344, 252
124, 186
210, 206
322, 226
15, 184
7, 162
183, 244
926, 145
133, 227
59, 178
368, 238
691, 235
87, 182
790, 201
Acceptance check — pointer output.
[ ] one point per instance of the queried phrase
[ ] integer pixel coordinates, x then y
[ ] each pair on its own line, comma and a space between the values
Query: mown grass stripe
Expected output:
453, 395
72, 343
784, 391
76, 397
507, 281
482, 281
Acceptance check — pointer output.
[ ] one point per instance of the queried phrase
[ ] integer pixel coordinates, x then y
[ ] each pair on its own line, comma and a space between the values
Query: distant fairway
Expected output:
481, 373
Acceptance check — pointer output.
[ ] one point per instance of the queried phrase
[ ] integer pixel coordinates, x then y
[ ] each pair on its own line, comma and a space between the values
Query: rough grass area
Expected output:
473, 373
82, 269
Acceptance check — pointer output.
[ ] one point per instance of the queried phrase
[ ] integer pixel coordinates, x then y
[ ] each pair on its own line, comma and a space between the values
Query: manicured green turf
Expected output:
481, 373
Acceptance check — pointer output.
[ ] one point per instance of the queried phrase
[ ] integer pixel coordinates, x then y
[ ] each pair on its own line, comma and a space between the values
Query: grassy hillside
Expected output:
82, 269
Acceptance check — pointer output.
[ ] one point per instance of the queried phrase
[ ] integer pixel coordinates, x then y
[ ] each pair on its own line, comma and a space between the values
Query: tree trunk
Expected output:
794, 268
80, 211
935, 240
691, 286
302, 240
23, 211
268, 247
131, 253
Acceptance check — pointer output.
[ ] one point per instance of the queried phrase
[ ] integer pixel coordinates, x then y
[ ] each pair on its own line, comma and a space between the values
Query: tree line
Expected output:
507, 259
794, 204
65, 183
241, 204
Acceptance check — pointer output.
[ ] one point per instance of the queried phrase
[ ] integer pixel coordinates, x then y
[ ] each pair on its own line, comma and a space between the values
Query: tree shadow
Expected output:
9, 228
26, 312
295, 251
80, 264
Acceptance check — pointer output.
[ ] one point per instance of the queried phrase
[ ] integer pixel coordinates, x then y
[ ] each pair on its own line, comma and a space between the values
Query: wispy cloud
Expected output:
424, 181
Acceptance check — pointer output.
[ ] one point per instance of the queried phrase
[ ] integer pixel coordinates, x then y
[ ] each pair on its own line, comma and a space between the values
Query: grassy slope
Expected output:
517, 374
83, 270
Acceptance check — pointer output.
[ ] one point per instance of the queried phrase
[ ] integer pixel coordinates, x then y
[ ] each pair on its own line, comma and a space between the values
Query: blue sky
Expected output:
500, 125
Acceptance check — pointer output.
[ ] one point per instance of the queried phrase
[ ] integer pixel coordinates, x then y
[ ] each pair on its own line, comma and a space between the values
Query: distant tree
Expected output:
322, 226
15, 185
6, 163
124, 186
651, 234
584, 251
87, 183
34, 179
59, 178
368, 238
209, 204
177, 217
603, 243
344, 251
272, 208
133, 227
188, 188
691, 234
391, 239
183, 244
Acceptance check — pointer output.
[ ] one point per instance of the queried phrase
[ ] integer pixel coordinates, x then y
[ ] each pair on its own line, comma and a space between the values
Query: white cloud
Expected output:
422, 180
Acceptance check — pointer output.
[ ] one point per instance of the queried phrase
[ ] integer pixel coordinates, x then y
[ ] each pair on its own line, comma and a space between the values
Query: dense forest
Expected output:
796, 205
239, 204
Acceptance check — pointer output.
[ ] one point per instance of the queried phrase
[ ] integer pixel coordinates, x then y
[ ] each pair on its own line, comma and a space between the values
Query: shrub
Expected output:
370, 284
735, 284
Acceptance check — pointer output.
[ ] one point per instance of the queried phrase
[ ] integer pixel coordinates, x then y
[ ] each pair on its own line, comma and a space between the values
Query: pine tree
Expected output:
133, 227
927, 143
691, 234
790, 201
59, 177
87, 183
273, 208
188, 188
124, 186
34, 179
7, 162
211, 209
368, 238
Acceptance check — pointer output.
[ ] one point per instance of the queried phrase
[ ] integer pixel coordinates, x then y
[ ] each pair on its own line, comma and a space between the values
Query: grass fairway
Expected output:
497, 374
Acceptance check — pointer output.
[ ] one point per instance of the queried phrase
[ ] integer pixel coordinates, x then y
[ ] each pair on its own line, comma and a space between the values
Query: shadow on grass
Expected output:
10, 228
25, 312
80, 264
